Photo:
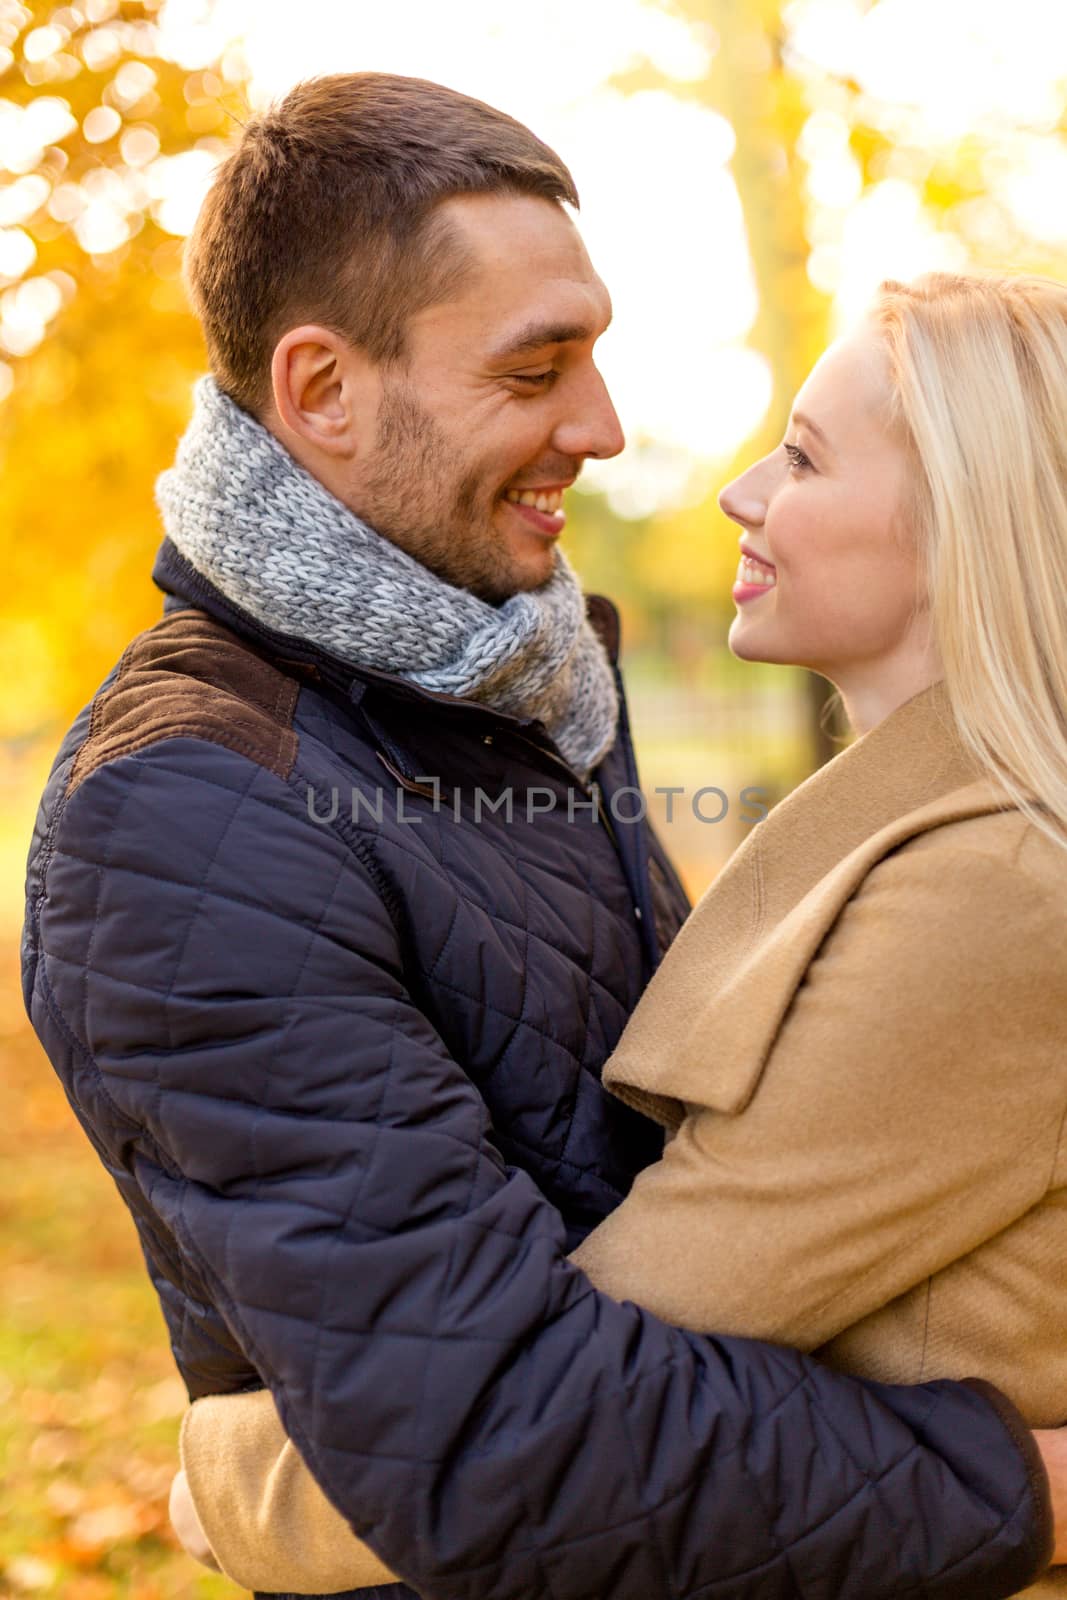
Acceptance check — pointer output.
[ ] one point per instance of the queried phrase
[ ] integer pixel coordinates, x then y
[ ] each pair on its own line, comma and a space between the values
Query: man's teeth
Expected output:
752, 572
549, 504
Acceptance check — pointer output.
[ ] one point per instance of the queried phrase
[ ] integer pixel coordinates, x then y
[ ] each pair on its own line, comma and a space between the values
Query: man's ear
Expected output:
326, 393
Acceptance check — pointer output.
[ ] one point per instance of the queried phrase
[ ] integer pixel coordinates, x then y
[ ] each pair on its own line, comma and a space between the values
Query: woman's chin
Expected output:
745, 642
749, 642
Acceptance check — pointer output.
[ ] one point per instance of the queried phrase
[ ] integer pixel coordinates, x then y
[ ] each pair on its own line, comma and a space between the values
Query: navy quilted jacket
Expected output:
344, 1069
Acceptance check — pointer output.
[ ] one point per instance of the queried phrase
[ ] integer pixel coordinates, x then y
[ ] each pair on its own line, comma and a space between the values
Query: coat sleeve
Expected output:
909, 1109
270, 1527
233, 980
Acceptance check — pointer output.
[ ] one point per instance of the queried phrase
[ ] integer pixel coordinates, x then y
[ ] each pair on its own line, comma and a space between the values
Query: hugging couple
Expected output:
518, 1236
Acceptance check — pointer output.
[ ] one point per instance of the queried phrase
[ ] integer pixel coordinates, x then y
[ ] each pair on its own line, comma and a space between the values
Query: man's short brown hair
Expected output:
325, 213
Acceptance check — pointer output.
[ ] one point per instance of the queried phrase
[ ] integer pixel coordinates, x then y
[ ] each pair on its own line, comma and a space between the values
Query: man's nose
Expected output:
591, 426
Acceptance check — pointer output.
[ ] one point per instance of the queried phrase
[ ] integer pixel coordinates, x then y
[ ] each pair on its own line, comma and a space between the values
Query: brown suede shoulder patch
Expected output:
188, 676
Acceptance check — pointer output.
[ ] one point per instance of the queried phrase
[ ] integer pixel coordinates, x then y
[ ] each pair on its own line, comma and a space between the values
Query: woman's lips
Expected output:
744, 592
755, 578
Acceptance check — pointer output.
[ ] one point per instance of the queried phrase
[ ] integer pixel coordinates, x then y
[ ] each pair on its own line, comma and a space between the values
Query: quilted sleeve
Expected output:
232, 982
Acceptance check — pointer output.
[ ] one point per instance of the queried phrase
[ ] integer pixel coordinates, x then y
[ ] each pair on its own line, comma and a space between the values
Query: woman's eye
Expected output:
538, 379
797, 458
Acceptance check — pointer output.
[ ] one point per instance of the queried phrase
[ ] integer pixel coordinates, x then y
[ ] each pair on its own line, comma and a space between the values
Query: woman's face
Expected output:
829, 573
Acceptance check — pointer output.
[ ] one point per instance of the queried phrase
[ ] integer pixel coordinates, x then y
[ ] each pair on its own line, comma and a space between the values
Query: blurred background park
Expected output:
749, 171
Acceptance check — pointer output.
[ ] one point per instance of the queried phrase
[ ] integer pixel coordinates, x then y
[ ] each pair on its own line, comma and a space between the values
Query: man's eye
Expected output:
537, 379
797, 458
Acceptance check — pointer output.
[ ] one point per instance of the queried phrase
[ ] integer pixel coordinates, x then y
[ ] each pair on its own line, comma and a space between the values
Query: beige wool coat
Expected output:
858, 1044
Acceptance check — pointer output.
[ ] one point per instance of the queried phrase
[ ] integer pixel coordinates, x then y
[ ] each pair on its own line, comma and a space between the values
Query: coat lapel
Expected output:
706, 1024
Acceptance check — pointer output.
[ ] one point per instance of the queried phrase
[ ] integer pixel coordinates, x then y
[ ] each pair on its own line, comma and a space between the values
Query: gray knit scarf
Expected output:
278, 544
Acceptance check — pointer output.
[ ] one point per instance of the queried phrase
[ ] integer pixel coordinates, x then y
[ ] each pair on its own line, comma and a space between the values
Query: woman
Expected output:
857, 1042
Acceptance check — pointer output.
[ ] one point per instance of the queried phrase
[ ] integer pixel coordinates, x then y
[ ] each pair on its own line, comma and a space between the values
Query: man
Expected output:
329, 932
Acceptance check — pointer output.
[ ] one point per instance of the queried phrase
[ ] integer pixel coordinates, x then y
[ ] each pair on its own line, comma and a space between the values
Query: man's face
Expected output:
499, 398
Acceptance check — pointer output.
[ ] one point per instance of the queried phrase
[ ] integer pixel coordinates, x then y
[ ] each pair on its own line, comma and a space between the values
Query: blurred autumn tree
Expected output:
97, 131
810, 142
690, 554
99, 136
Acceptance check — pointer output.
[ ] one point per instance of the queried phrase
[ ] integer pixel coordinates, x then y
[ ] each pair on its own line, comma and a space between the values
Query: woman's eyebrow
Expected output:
800, 420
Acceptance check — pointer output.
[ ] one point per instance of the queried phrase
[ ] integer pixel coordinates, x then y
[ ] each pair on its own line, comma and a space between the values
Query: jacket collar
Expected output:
177, 577
739, 959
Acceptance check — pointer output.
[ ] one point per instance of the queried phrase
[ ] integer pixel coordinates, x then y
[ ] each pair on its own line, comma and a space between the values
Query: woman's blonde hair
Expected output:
979, 369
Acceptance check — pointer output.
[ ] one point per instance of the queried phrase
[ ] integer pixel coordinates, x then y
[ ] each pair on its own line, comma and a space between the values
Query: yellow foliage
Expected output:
99, 402
689, 556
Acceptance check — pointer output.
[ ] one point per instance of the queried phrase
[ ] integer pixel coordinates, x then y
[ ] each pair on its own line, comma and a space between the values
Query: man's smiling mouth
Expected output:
546, 501
541, 509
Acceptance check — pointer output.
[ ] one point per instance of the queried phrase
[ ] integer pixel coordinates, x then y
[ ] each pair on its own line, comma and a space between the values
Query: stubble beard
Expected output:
414, 499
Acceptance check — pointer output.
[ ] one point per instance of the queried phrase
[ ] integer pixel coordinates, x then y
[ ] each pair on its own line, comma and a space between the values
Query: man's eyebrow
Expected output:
800, 420
535, 335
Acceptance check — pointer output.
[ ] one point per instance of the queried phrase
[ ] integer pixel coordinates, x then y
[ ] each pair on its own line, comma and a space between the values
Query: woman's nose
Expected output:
741, 500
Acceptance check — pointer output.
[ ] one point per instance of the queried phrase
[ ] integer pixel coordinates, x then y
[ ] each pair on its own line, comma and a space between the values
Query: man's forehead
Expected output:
528, 280
519, 237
